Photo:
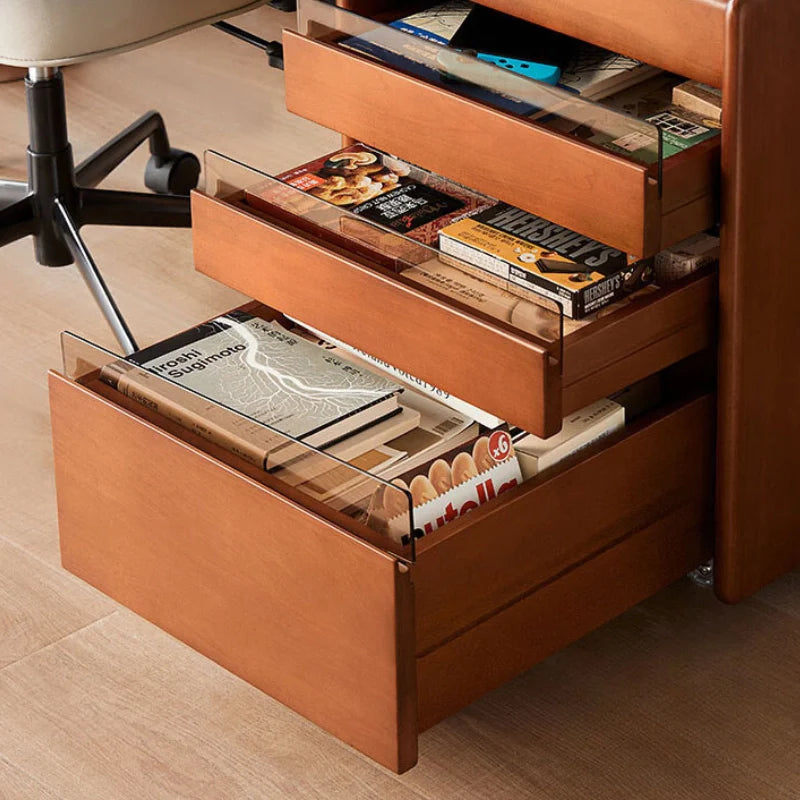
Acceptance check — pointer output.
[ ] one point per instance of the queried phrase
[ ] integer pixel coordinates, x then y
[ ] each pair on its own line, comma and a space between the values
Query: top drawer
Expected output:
683, 36
639, 205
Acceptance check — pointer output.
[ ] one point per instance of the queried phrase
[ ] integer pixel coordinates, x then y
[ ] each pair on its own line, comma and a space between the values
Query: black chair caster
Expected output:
178, 173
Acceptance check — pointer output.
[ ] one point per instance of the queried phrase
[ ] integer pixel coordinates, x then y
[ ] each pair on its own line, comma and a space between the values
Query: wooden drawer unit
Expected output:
302, 602
529, 381
375, 643
636, 207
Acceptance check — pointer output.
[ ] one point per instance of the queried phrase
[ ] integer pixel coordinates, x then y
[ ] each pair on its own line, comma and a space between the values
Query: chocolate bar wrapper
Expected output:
542, 262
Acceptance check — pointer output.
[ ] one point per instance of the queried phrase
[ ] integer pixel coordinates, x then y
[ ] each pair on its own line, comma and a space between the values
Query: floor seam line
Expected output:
58, 641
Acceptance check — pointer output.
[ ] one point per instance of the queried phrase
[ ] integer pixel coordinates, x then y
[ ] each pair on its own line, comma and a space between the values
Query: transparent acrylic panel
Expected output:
549, 106
446, 277
348, 486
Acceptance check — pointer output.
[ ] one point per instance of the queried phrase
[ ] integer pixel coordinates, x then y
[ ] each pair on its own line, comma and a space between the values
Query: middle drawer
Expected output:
530, 380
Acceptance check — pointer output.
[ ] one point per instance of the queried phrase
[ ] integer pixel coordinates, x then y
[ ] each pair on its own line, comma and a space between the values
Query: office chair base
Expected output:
59, 198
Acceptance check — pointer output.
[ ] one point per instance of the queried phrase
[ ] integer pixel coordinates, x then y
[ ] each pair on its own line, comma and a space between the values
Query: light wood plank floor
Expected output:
682, 697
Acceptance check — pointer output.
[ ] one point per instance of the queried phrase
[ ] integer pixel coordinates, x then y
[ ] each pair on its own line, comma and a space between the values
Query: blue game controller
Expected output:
547, 73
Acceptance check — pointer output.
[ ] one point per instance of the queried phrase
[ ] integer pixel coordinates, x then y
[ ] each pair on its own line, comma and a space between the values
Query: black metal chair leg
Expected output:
107, 207
12, 192
94, 280
17, 221
103, 161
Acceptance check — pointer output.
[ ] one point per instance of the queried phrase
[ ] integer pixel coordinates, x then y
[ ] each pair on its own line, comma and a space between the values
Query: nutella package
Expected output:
449, 487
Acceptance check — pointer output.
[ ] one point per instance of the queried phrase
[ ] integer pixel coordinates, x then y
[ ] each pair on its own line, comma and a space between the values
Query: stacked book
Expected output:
326, 420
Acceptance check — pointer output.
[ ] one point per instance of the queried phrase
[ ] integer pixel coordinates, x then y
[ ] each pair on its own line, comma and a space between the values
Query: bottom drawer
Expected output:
371, 646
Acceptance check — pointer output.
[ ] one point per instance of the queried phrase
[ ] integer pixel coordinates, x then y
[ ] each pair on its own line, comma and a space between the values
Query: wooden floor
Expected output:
682, 697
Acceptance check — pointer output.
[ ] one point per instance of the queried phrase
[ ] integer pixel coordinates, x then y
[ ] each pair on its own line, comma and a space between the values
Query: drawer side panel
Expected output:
560, 612
284, 599
597, 499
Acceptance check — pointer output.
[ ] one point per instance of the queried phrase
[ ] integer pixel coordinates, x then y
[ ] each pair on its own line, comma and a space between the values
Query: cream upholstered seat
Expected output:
53, 33
59, 197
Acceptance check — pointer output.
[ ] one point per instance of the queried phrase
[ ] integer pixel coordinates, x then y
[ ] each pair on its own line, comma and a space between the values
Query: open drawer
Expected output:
371, 643
295, 258
437, 108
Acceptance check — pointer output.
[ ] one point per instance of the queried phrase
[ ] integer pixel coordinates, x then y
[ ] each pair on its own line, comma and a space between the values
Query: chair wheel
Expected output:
177, 174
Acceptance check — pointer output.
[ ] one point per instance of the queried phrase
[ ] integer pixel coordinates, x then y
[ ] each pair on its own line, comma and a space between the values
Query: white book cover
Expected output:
579, 430
461, 406
259, 369
594, 72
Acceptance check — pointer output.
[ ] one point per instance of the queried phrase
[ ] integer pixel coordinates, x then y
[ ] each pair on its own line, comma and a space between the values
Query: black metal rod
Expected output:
246, 36
149, 126
273, 49
110, 207
47, 115
17, 221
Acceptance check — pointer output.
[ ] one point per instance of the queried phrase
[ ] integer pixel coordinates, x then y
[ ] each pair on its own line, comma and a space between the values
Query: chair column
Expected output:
51, 169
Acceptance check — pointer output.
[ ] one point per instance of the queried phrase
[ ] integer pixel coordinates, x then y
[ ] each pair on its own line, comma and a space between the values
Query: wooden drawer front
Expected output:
337, 628
648, 472
370, 309
296, 606
559, 612
603, 196
489, 364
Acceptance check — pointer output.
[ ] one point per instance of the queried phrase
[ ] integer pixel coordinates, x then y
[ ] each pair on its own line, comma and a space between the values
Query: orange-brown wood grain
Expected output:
370, 309
544, 621
485, 561
301, 609
602, 195
605, 196
683, 36
759, 428
632, 343
332, 626
453, 347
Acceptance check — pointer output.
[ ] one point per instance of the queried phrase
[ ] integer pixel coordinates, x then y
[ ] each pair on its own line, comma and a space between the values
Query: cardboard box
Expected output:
532, 257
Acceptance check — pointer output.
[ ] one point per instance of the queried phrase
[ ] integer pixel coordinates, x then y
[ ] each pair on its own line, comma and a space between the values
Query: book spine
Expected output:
145, 394
462, 406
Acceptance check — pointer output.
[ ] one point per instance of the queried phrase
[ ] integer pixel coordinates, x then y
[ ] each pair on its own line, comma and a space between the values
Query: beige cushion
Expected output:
51, 33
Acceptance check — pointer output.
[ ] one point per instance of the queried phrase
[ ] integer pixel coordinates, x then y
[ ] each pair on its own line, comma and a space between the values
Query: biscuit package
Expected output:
447, 488
331, 225
532, 257
387, 191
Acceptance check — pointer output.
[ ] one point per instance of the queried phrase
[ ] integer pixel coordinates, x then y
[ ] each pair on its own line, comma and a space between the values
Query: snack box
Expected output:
328, 223
387, 191
686, 257
534, 258
452, 485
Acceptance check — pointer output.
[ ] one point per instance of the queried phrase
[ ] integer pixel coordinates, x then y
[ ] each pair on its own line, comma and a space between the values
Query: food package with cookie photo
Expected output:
452, 485
333, 225
534, 258
389, 205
